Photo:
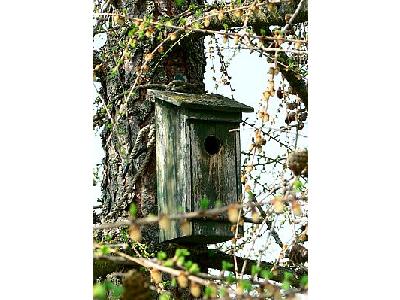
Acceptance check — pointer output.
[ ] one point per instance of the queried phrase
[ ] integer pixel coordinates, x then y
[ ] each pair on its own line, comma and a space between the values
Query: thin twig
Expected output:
293, 16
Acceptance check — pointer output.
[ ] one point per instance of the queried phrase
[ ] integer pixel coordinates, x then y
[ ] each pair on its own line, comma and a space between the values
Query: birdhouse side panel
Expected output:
171, 160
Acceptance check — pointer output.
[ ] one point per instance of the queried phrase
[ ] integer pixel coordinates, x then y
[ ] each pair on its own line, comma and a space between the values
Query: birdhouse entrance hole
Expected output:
212, 144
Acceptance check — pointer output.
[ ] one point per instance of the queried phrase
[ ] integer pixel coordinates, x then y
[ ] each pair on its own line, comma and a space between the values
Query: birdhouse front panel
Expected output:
214, 162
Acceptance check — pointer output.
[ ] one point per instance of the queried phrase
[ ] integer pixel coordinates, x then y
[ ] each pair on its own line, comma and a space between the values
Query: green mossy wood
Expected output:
198, 156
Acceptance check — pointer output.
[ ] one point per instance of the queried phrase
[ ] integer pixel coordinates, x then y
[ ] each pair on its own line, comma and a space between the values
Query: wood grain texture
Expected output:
188, 171
171, 167
213, 176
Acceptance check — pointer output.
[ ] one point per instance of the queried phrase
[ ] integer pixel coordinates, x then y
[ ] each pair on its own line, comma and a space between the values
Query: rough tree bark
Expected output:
129, 164
130, 177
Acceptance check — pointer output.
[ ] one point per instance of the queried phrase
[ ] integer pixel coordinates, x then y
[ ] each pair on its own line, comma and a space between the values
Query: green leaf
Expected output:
124, 235
198, 13
182, 21
188, 264
165, 296
105, 250
304, 281
226, 265
133, 30
140, 34
99, 291
208, 292
222, 292
196, 25
297, 185
108, 285
230, 278
114, 72
287, 276
194, 269
161, 255
174, 282
169, 263
133, 210
181, 252
159, 26
133, 44
251, 195
179, 3
266, 274
218, 204
180, 261
285, 285
246, 285
204, 203
146, 21
226, 26
255, 270
192, 6
116, 291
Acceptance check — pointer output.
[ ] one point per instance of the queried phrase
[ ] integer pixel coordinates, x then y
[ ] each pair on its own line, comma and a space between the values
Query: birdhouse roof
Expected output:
200, 101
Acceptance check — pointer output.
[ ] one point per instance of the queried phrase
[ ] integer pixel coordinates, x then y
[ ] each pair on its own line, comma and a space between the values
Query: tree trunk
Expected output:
129, 169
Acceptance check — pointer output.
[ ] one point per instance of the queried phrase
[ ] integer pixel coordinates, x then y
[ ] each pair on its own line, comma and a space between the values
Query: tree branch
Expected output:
262, 19
207, 257
299, 86
213, 259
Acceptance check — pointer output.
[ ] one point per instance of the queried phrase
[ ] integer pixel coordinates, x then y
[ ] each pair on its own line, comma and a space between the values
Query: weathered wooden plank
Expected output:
214, 175
213, 115
170, 195
228, 170
201, 160
203, 102
238, 164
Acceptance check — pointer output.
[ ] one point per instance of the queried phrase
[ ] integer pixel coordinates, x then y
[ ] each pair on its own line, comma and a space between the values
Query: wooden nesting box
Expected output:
198, 156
